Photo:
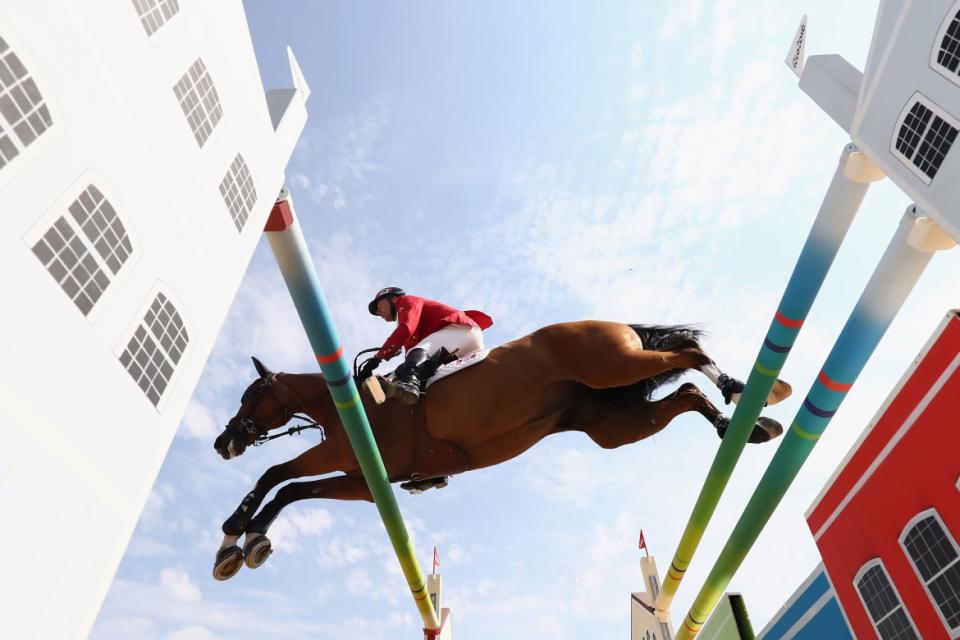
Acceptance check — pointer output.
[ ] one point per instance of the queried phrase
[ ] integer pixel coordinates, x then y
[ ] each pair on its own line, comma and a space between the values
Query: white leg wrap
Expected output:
712, 372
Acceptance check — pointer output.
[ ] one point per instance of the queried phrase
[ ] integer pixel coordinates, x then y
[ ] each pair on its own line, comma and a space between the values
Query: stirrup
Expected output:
419, 486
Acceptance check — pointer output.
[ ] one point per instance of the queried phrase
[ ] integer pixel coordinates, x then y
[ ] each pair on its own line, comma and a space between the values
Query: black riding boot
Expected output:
405, 385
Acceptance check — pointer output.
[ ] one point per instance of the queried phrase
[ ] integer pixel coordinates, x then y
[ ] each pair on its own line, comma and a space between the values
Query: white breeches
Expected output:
455, 337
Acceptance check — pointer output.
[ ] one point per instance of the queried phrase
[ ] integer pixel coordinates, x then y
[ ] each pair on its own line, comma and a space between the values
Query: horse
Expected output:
591, 376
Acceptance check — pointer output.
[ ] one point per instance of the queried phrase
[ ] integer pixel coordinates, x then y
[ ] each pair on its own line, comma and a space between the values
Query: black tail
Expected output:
664, 338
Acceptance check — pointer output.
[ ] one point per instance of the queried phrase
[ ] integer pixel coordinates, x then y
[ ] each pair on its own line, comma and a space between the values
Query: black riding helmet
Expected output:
385, 293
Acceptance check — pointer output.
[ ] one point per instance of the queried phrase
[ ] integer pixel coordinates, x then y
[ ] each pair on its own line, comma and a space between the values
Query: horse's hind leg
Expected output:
605, 355
612, 426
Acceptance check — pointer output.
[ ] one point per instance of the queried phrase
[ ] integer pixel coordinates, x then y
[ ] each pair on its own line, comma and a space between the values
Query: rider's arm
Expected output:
408, 317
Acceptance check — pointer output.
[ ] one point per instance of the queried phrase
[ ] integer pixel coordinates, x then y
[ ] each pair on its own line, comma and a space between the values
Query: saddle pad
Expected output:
457, 365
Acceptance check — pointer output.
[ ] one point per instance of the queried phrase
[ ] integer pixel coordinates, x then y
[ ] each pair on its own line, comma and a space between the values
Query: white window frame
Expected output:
937, 111
952, 76
869, 564
923, 515
136, 322
60, 208
43, 142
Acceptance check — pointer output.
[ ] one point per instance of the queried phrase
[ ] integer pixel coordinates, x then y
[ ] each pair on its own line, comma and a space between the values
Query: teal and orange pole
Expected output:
853, 176
902, 264
290, 249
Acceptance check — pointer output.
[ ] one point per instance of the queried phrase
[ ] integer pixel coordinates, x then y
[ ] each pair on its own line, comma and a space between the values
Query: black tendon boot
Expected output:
405, 385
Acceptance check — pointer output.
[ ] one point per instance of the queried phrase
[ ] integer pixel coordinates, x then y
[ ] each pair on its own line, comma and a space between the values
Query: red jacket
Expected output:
419, 317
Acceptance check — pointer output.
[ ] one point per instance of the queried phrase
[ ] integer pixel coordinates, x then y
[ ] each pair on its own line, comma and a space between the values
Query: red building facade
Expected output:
888, 523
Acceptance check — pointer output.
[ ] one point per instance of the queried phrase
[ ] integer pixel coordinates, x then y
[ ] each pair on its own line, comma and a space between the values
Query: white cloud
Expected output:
199, 421
161, 495
681, 17
348, 145
193, 632
178, 584
358, 582
566, 475
297, 524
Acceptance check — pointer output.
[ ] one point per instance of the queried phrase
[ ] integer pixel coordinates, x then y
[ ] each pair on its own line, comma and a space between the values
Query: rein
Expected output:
311, 424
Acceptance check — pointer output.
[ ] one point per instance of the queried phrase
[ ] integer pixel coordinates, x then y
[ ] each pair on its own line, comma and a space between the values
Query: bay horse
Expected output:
590, 376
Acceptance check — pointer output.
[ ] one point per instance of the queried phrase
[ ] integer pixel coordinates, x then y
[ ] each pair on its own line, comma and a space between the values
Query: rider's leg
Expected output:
405, 385
454, 338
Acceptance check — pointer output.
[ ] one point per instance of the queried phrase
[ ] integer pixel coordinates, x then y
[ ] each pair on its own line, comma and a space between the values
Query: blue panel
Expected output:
801, 603
827, 624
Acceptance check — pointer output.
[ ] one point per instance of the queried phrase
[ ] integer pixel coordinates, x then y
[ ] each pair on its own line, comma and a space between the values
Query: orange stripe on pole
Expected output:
833, 385
788, 322
333, 357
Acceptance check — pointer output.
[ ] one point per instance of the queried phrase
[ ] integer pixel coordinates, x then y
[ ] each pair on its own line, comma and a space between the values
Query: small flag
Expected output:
797, 53
436, 560
643, 544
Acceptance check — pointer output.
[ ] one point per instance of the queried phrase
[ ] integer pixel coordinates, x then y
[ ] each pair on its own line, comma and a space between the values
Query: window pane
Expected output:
199, 101
155, 13
929, 548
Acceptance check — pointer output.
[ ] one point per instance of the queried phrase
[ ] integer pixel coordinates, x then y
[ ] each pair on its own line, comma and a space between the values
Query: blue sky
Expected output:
542, 161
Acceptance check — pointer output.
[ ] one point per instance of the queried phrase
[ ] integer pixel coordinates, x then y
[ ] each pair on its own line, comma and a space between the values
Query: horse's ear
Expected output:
262, 370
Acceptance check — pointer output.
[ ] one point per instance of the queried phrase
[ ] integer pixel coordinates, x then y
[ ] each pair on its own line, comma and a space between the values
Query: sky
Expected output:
544, 162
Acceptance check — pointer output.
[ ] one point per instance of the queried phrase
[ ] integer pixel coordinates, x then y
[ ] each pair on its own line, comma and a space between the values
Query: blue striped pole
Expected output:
895, 276
840, 204
290, 249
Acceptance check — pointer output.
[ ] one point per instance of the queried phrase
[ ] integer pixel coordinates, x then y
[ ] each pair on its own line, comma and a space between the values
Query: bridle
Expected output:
247, 426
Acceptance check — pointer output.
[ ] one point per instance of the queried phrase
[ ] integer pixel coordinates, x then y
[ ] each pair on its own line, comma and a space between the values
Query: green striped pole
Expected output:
902, 264
290, 249
840, 204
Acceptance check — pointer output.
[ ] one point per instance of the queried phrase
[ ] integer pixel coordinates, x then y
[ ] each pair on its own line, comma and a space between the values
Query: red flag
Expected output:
436, 560
643, 544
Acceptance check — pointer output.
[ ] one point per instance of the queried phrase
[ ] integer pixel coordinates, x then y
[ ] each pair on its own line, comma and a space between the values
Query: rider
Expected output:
423, 327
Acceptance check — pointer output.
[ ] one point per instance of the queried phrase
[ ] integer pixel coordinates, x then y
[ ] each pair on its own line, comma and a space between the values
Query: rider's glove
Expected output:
367, 368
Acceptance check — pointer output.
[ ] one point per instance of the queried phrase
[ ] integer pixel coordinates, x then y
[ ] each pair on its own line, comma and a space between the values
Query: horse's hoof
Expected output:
256, 551
720, 423
781, 391
765, 430
228, 562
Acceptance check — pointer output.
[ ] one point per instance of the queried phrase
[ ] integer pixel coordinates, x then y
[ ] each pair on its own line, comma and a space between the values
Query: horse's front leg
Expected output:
257, 547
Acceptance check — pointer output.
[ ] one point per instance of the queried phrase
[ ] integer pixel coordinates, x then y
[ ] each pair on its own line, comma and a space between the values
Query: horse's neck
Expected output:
310, 389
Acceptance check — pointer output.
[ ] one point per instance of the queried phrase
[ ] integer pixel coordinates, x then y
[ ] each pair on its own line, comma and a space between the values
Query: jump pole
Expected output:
847, 189
904, 260
290, 249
